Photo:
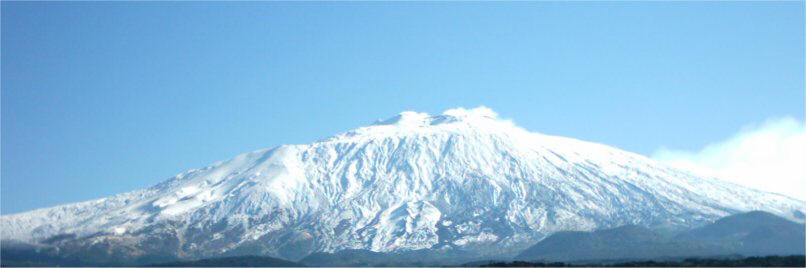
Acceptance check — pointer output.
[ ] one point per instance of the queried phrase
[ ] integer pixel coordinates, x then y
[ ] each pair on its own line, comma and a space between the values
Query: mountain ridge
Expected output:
463, 180
745, 234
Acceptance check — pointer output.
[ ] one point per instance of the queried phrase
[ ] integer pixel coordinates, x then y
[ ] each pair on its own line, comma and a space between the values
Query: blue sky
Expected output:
102, 98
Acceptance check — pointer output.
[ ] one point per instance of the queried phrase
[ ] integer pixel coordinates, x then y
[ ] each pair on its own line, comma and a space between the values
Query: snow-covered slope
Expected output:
464, 179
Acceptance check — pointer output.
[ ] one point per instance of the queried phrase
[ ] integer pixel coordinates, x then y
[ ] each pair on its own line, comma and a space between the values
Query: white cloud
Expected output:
769, 157
481, 111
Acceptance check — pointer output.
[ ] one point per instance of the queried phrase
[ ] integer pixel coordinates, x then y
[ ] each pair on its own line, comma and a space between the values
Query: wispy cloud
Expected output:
769, 157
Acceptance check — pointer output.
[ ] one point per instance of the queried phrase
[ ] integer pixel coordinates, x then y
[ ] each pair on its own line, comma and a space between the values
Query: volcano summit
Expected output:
463, 180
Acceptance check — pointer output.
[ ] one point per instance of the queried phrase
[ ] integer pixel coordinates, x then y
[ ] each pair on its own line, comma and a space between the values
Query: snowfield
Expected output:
464, 179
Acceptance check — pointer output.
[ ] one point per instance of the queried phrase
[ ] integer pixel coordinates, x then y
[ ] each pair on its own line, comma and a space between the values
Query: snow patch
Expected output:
483, 237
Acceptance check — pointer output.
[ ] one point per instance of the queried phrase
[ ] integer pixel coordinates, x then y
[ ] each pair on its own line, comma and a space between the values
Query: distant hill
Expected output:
749, 234
626, 242
238, 261
755, 233
767, 261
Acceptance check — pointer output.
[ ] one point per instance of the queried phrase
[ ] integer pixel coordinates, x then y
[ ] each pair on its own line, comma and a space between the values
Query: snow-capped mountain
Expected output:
463, 180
